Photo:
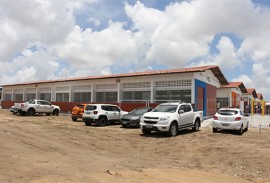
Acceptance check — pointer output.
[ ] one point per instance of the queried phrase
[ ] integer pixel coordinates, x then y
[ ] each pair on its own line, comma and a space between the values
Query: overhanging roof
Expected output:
235, 85
215, 69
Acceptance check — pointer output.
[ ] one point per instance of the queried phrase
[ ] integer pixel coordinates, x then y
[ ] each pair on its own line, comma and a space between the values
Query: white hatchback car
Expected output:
230, 119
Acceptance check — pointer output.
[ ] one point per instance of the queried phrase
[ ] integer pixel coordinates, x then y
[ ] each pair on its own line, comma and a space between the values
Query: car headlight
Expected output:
165, 118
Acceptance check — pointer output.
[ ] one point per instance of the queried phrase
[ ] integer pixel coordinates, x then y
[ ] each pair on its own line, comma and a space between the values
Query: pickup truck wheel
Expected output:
22, 113
74, 119
102, 121
55, 112
214, 130
196, 126
173, 130
146, 131
31, 112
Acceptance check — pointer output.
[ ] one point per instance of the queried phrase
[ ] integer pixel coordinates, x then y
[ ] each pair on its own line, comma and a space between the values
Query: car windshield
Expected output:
165, 108
227, 112
139, 111
90, 107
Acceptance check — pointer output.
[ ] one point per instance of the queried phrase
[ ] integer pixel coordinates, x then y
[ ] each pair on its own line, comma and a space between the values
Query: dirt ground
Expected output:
54, 149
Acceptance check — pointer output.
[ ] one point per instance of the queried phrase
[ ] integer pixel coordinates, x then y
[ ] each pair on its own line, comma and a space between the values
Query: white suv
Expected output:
102, 114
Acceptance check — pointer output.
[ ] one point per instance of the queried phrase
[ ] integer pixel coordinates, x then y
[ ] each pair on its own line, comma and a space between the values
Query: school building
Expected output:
197, 85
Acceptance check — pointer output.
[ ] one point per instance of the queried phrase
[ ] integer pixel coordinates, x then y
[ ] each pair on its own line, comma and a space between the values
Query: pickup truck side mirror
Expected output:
181, 111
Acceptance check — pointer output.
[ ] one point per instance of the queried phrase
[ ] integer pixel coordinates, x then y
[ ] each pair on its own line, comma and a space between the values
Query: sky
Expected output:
58, 39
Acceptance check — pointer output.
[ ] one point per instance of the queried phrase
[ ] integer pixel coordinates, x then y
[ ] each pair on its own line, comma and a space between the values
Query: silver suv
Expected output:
102, 114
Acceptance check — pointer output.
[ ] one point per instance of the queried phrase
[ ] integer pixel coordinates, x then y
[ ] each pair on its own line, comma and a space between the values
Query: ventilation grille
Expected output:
177, 83
45, 89
65, 88
83, 88
137, 85
108, 86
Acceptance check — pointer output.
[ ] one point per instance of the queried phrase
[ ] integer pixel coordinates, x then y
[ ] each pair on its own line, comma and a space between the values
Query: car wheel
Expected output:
102, 121
146, 131
55, 112
124, 126
196, 126
173, 130
74, 119
246, 127
31, 112
214, 130
87, 123
240, 131
23, 113
48, 114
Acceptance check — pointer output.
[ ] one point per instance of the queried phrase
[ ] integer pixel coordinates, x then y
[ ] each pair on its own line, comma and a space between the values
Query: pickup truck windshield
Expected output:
165, 108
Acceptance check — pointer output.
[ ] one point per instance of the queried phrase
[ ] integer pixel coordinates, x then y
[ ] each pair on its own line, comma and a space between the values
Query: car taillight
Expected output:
237, 119
95, 112
215, 117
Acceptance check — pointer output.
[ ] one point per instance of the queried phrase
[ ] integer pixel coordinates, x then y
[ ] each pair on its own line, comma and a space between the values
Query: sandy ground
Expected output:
54, 149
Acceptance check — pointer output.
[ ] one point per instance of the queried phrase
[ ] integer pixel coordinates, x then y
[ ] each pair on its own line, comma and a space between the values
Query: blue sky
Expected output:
51, 39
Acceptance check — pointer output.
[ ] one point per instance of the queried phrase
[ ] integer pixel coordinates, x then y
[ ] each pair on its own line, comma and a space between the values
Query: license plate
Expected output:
148, 126
224, 124
124, 122
88, 113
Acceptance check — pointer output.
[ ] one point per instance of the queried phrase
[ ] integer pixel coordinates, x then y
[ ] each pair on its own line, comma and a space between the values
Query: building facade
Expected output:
196, 85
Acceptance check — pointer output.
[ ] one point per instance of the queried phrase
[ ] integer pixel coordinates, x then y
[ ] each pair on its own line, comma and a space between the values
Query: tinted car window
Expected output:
90, 107
31, 102
114, 108
188, 108
227, 112
106, 108
80, 106
46, 103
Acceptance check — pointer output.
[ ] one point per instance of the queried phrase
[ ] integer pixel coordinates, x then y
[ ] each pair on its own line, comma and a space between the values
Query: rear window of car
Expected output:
80, 106
91, 107
227, 112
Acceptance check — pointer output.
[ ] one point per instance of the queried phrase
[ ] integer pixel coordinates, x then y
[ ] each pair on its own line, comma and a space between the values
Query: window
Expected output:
114, 108
165, 108
8, 97
90, 107
62, 97
30, 96
19, 97
222, 102
106, 96
227, 112
173, 95
136, 95
45, 96
82, 97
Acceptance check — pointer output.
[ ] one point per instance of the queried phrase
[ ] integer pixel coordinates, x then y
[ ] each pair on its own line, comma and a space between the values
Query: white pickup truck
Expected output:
36, 106
171, 117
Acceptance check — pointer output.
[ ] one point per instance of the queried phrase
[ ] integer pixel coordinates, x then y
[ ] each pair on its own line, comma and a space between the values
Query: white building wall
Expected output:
55, 87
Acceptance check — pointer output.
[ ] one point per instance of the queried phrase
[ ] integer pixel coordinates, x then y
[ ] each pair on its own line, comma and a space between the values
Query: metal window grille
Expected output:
177, 83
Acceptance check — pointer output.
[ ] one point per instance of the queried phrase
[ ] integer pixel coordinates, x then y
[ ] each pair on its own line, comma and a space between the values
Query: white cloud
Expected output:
44, 34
